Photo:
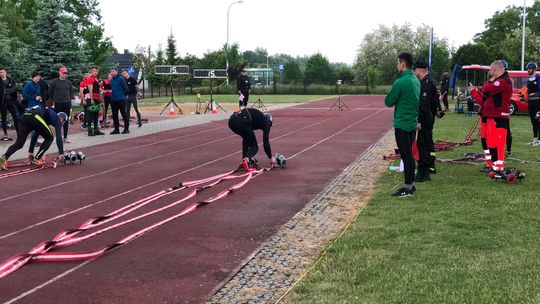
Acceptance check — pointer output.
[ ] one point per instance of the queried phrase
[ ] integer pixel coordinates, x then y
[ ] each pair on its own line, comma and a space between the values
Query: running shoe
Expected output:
7, 138
404, 192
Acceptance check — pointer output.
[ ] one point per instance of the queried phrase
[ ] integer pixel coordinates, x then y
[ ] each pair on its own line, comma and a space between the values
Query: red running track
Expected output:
185, 260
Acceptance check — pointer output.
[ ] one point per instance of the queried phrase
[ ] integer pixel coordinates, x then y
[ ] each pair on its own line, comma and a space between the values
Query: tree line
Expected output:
376, 58
47, 34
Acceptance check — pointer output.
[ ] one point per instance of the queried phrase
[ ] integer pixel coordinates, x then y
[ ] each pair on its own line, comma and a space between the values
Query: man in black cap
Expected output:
445, 85
243, 86
429, 104
243, 123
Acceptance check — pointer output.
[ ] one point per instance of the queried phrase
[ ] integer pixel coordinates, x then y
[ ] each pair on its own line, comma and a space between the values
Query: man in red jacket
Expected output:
495, 101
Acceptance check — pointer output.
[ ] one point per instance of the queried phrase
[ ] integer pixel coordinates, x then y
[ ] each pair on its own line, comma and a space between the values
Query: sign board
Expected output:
209, 73
281, 68
171, 70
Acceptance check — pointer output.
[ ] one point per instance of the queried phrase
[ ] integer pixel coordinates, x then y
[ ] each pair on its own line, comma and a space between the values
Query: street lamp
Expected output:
523, 37
227, 46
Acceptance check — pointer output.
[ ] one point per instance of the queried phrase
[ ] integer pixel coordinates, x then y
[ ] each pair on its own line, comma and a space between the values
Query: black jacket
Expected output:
445, 84
8, 91
429, 99
243, 85
44, 90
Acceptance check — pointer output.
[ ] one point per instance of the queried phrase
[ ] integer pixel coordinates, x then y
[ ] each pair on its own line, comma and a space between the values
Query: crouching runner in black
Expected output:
244, 123
37, 120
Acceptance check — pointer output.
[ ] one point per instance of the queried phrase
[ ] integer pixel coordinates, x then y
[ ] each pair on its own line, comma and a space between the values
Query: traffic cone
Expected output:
171, 110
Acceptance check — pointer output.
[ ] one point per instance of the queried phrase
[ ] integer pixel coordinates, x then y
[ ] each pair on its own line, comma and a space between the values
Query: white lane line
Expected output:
337, 133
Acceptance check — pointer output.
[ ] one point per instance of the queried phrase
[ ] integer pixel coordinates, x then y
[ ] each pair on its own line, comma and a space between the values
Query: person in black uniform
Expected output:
132, 95
243, 85
38, 120
429, 98
445, 85
533, 91
244, 123
8, 101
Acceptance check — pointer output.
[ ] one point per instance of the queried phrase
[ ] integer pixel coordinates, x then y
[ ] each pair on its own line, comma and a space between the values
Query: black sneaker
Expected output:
115, 132
403, 192
7, 138
422, 178
140, 124
98, 132
126, 131
90, 133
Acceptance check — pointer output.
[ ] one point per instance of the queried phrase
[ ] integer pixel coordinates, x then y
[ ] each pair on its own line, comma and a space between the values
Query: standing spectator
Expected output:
429, 99
8, 100
132, 95
533, 95
244, 88
404, 96
119, 90
445, 85
84, 96
92, 83
61, 94
32, 92
495, 99
107, 94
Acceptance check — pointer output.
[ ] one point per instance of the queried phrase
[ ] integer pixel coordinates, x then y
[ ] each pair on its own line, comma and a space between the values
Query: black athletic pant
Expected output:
404, 141
12, 108
445, 100
106, 102
66, 108
534, 107
30, 123
86, 115
119, 106
240, 123
244, 103
132, 99
425, 145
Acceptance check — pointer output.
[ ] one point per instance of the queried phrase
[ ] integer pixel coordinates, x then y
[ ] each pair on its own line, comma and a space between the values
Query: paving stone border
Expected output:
280, 262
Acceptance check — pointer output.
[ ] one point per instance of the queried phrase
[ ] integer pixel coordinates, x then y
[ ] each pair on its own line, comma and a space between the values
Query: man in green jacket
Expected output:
404, 96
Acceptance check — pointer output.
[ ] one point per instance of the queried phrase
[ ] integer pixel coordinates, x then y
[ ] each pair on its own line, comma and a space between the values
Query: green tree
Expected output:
503, 34
440, 59
470, 53
380, 48
14, 55
171, 54
96, 46
318, 70
55, 44
292, 73
345, 73
373, 79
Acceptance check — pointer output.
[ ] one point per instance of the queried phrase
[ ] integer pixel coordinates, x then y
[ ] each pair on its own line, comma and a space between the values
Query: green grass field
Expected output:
234, 98
462, 238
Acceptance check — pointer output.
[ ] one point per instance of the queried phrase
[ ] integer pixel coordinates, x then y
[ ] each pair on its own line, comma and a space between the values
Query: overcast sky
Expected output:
335, 28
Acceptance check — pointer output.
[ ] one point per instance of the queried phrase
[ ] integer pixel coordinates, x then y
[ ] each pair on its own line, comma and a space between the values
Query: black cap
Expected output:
420, 65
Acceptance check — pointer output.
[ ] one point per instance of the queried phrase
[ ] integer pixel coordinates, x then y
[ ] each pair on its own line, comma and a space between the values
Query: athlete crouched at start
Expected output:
244, 123
38, 120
